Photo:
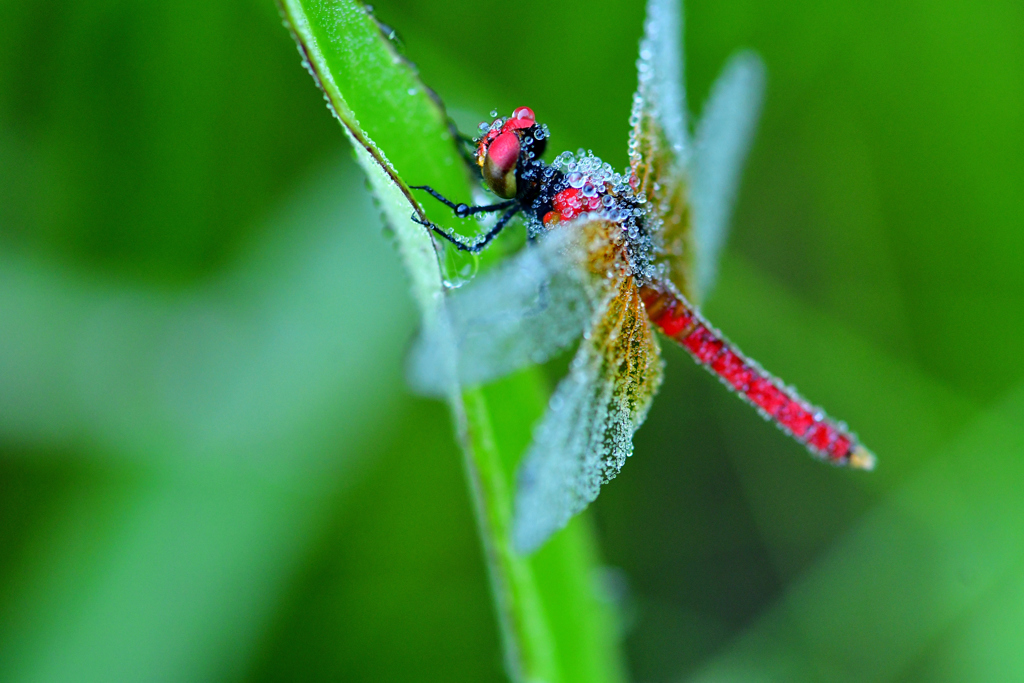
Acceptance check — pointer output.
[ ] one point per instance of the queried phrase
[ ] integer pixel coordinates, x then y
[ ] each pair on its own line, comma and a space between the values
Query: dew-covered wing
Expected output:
587, 433
659, 105
520, 313
720, 148
659, 145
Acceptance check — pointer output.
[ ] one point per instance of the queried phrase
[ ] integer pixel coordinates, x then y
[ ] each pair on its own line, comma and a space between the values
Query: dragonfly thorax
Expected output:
593, 189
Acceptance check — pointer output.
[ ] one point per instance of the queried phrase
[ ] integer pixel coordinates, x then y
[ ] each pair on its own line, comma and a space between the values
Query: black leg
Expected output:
463, 210
461, 141
475, 245
467, 148
542, 300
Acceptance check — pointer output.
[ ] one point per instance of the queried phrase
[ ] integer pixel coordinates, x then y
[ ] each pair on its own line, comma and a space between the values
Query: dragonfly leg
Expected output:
542, 302
467, 148
463, 210
474, 245
465, 144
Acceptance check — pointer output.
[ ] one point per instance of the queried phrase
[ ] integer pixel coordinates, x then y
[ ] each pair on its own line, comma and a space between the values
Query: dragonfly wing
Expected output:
587, 433
661, 94
520, 313
659, 145
720, 148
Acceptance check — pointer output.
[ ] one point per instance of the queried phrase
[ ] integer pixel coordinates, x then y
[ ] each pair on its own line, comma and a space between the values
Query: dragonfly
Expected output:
614, 259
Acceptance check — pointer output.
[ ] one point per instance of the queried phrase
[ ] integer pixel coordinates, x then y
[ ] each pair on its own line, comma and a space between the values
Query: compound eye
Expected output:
499, 168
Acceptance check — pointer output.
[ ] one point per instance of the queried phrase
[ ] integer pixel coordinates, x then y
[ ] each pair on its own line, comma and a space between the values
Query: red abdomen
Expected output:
824, 437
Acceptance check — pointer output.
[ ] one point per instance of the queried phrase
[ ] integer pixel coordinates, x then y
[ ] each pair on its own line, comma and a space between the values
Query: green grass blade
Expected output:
554, 625
170, 557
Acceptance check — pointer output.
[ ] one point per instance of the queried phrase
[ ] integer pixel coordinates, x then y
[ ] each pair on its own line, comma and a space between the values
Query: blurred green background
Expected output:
210, 468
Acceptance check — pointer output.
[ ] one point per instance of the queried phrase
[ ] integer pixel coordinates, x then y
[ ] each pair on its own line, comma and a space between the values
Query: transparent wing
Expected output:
658, 143
720, 148
587, 433
660, 100
518, 314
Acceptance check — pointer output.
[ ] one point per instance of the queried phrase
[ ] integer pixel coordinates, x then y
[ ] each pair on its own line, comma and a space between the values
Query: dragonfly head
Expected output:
504, 142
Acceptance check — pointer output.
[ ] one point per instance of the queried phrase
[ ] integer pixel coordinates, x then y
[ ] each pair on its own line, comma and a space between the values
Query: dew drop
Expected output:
457, 267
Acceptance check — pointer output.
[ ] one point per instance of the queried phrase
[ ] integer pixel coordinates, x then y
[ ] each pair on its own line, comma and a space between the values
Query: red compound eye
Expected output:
499, 168
485, 142
504, 152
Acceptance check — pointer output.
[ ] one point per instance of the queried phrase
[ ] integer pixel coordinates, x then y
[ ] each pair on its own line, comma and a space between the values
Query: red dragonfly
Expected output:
612, 257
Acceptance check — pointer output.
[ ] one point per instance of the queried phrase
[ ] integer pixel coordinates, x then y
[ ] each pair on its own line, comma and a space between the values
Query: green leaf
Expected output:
554, 623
